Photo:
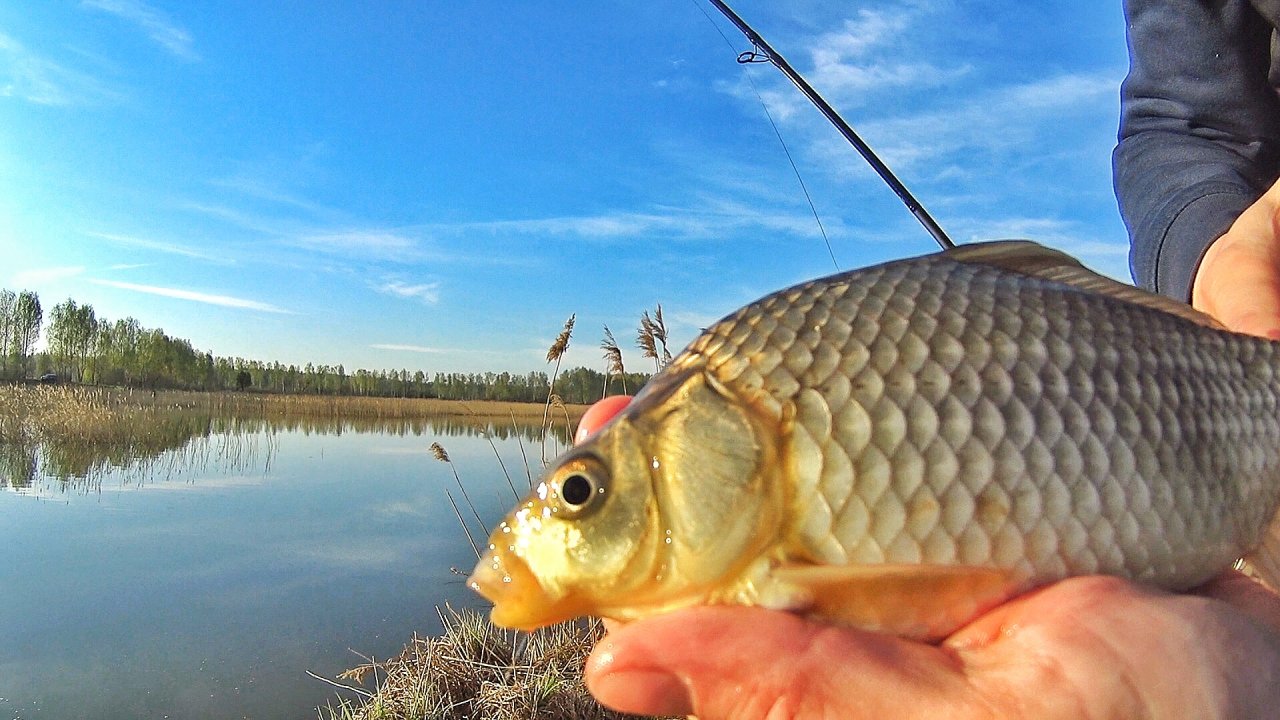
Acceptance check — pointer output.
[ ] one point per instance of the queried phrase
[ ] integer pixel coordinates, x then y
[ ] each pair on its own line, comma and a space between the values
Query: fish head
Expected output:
658, 508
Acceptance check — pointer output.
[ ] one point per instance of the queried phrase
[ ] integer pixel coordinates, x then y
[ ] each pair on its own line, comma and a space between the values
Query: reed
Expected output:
75, 436
613, 362
555, 354
651, 338
476, 670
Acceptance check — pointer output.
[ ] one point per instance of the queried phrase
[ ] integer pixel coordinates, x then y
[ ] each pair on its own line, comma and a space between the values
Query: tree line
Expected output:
20, 318
83, 347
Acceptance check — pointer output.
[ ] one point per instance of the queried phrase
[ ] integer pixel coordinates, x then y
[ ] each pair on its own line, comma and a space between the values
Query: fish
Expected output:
902, 447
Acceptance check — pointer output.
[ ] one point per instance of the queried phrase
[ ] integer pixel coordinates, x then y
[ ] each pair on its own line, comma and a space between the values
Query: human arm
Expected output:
1199, 131
1082, 648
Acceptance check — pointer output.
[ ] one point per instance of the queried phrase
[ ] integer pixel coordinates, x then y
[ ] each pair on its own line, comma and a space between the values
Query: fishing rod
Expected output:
765, 53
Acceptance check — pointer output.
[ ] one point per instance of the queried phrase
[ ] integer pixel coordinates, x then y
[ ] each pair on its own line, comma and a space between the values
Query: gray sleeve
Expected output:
1199, 131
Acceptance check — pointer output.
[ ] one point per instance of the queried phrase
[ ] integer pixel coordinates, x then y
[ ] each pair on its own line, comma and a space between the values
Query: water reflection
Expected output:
214, 595
162, 445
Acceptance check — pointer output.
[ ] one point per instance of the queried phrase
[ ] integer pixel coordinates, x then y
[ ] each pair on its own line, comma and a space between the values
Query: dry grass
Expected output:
370, 407
81, 405
74, 435
475, 670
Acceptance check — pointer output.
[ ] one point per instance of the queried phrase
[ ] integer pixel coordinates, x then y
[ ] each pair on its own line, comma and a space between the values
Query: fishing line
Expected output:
763, 52
751, 57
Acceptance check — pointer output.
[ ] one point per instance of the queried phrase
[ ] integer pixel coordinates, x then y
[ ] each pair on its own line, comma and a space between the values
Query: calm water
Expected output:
206, 581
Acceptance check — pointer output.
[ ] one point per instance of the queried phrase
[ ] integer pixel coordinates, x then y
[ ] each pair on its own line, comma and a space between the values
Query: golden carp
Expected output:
900, 448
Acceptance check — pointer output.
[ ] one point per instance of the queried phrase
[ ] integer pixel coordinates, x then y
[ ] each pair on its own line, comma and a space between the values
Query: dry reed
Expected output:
652, 338
613, 362
476, 670
555, 354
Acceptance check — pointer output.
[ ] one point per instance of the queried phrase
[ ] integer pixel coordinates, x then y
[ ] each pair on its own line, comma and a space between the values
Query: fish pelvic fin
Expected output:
921, 602
1035, 260
1264, 562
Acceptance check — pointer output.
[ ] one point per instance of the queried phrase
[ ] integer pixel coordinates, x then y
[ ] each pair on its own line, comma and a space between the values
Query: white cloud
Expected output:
364, 244
29, 76
40, 276
157, 245
177, 293
426, 292
841, 67
1108, 258
711, 217
163, 31
1004, 118
410, 348
262, 190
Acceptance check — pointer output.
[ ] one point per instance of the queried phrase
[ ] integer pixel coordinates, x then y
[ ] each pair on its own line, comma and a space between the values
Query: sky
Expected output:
437, 186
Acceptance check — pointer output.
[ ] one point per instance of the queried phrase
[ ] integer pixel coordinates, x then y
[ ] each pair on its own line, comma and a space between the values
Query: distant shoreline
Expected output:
309, 404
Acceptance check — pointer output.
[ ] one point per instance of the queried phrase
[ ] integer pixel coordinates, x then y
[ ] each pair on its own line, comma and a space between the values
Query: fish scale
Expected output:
1033, 442
901, 447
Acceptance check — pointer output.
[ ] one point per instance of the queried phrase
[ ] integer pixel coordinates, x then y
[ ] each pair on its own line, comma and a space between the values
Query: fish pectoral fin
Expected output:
923, 602
1264, 562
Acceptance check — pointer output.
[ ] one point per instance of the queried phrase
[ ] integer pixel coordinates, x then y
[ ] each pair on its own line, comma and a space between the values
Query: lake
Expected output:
205, 579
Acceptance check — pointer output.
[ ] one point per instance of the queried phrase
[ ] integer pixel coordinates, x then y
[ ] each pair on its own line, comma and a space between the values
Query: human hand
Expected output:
1082, 648
1238, 281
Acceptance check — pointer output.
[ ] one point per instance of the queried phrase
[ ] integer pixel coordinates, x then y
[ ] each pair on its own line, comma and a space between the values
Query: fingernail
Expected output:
643, 692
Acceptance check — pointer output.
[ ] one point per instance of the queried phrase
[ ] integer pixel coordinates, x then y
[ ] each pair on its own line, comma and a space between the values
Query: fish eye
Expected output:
577, 490
581, 486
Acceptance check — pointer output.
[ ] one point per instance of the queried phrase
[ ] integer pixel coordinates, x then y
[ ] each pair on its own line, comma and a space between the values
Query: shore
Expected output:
476, 670
20, 395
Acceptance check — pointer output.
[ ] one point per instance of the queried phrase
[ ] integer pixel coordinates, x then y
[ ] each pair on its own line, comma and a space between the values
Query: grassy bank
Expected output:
73, 432
475, 670
78, 408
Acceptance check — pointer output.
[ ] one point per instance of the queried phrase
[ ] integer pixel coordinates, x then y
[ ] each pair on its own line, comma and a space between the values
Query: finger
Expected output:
1238, 281
702, 661
598, 415
1239, 590
1240, 286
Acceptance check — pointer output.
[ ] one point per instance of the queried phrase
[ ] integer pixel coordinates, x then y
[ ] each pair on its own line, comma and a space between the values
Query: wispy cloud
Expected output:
41, 276
1004, 118
375, 244
268, 192
849, 65
1108, 258
158, 26
426, 292
180, 294
29, 76
709, 217
158, 246
410, 348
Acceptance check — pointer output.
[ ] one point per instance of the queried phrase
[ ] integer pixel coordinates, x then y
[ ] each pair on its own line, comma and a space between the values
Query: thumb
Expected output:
740, 662
1238, 281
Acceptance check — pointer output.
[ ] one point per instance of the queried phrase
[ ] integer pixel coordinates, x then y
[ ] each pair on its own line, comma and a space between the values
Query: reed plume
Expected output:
555, 354
613, 362
438, 451
652, 338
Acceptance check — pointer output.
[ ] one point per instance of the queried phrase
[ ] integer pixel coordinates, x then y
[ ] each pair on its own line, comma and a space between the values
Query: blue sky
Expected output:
438, 185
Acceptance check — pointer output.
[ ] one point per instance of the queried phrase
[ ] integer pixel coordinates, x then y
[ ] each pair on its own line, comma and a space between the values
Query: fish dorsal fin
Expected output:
1035, 260
923, 602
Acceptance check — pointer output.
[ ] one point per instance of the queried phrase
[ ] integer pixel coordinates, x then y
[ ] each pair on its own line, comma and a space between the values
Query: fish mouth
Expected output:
519, 600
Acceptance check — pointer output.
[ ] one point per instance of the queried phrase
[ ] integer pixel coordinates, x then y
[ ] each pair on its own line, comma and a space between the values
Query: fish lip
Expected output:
520, 600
